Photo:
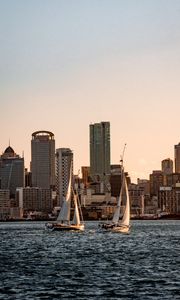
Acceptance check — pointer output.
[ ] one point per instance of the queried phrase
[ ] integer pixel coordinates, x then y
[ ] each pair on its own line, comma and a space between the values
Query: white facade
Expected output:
64, 157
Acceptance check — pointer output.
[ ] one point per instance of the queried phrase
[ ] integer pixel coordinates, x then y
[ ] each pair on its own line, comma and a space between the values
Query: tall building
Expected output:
115, 180
100, 153
43, 159
64, 159
156, 181
167, 166
11, 171
177, 158
85, 170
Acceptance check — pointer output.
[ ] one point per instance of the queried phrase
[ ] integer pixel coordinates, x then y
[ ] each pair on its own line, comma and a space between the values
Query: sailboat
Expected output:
117, 224
63, 220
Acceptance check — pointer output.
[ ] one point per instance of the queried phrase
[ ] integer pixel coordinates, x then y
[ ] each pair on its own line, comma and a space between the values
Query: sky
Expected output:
65, 64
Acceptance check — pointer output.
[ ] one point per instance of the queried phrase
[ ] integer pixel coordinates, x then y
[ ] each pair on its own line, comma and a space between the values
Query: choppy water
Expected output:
36, 264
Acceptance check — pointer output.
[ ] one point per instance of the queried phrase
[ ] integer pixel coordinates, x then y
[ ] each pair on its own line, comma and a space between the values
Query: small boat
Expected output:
63, 221
117, 224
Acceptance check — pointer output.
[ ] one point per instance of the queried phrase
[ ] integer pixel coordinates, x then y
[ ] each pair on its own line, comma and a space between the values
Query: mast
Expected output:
122, 156
126, 216
118, 208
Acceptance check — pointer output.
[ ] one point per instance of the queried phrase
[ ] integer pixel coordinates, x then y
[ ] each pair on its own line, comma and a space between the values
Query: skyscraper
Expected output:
11, 171
177, 158
100, 152
167, 166
64, 158
43, 159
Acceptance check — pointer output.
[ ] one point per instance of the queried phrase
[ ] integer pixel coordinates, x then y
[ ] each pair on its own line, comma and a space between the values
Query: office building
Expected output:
169, 199
4, 198
85, 170
34, 199
43, 159
156, 181
136, 195
144, 184
172, 179
11, 171
64, 159
115, 180
100, 154
167, 166
177, 158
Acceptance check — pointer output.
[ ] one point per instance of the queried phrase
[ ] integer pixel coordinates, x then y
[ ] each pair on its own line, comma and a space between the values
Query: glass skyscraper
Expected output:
43, 159
11, 171
100, 152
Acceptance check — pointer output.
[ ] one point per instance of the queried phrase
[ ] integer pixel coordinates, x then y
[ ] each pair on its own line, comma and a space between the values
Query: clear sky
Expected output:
67, 63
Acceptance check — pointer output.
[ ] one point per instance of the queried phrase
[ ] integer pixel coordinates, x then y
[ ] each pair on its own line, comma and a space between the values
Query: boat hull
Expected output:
121, 229
65, 227
107, 226
115, 228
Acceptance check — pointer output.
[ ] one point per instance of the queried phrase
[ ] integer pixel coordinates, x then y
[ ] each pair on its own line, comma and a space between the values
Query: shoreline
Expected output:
145, 218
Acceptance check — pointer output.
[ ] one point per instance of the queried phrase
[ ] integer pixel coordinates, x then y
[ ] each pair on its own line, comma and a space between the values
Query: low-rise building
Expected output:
34, 199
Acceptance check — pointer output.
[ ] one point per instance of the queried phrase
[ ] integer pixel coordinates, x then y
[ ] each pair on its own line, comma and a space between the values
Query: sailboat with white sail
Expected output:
117, 224
63, 221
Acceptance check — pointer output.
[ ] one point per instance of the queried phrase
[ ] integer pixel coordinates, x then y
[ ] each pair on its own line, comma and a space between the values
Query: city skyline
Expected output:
167, 160
73, 63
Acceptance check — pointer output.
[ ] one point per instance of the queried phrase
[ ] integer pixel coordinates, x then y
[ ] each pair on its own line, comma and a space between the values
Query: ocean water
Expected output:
37, 264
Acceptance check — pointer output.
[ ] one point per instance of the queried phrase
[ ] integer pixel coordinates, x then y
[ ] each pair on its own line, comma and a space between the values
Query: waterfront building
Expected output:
98, 206
4, 198
156, 180
34, 199
64, 159
7, 211
100, 154
177, 158
11, 171
43, 159
141, 202
136, 195
169, 199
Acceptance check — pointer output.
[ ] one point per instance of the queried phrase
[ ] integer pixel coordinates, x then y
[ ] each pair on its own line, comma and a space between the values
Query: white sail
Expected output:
116, 225
76, 218
126, 216
63, 221
117, 211
64, 215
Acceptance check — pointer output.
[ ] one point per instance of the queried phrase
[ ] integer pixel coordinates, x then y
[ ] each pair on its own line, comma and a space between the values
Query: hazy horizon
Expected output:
67, 64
